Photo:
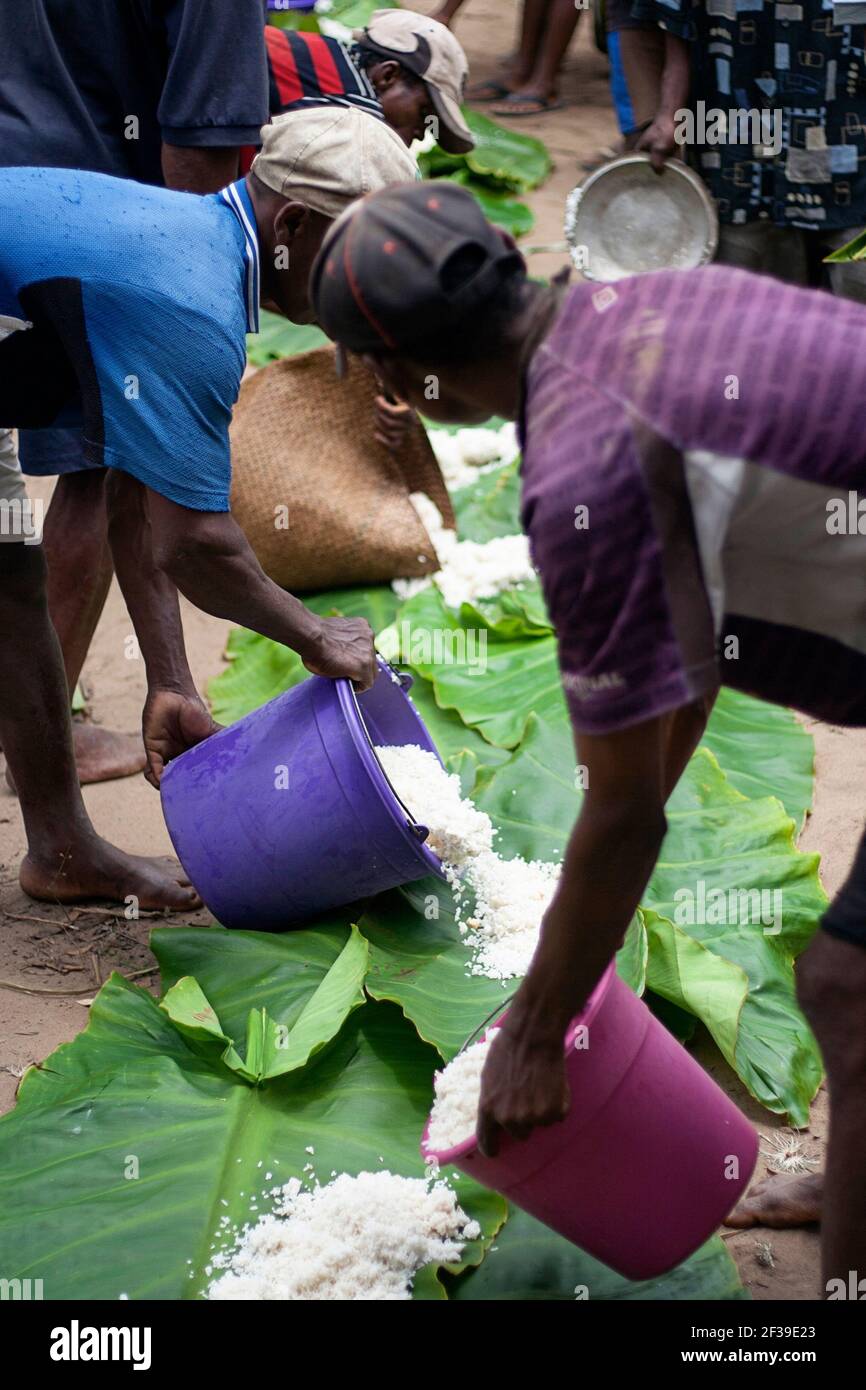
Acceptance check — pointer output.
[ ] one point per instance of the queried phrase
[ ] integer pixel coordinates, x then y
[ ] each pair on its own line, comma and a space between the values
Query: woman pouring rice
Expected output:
685, 437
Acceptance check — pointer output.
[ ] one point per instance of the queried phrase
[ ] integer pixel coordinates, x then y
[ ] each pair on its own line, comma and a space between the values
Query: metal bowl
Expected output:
626, 219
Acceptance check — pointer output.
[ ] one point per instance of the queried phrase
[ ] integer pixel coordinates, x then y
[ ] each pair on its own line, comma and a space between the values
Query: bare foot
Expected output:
94, 869
525, 101
779, 1202
100, 755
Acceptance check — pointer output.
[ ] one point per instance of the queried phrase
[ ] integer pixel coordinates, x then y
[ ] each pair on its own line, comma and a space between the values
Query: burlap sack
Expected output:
303, 451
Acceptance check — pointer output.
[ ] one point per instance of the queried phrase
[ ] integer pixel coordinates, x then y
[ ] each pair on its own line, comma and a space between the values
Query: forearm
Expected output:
199, 169
220, 574
607, 867
149, 594
676, 77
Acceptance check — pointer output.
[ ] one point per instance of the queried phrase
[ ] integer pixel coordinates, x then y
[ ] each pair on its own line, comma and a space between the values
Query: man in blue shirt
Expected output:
162, 91
125, 310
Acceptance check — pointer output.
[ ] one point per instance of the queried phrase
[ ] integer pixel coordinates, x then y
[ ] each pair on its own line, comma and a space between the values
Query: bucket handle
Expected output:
494, 1012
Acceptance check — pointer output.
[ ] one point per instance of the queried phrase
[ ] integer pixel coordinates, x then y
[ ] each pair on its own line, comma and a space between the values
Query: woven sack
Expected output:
303, 450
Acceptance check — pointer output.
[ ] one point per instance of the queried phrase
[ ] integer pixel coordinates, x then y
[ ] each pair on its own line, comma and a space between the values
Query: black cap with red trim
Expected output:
407, 268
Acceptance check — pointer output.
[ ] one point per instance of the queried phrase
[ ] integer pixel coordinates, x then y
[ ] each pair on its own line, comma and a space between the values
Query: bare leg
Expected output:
535, 85
831, 981
66, 860
519, 66
79, 574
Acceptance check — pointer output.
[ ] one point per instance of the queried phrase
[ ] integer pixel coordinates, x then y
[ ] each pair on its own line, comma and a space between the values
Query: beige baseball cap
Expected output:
327, 156
431, 52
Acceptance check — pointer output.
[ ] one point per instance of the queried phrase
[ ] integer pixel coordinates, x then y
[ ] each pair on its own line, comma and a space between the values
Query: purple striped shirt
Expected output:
694, 446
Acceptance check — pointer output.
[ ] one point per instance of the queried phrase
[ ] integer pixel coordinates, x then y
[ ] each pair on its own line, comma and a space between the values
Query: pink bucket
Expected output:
651, 1156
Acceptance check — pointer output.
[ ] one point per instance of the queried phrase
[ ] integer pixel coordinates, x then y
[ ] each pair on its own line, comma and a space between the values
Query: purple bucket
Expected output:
288, 812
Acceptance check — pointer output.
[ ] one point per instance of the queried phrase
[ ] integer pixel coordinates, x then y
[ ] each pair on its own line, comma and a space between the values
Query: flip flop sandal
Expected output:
487, 91
515, 106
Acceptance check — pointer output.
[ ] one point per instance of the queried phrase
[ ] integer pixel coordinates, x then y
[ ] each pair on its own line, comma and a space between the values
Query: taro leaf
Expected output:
502, 158
243, 970
453, 739
734, 859
492, 680
356, 14
633, 955
489, 507
854, 250
378, 604
258, 670
273, 1048
295, 19
279, 337
718, 839
195, 1018
505, 155
127, 1149
691, 976
498, 204
419, 961
531, 1262
764, 750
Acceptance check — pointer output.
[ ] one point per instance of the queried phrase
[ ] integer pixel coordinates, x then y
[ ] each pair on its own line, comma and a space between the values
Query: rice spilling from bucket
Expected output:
457, 1091
468, 570
358, 1238
510, 895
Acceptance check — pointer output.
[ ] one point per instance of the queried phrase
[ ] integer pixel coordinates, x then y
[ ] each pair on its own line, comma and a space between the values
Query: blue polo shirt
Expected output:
139, 301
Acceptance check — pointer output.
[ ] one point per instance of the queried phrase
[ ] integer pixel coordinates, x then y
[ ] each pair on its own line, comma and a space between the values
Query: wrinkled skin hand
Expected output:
392, 423
523, 1085
345, 648
658, 142
171, 722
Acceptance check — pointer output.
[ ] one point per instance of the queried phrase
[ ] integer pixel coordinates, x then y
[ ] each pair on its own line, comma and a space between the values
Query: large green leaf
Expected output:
498, 205
273, 1048
764, 750
452, 737
258, 671
503, 157
490, 506
491, 678
531, 1262
737, 976
418, 960
720, 854
127, 1148
854, 250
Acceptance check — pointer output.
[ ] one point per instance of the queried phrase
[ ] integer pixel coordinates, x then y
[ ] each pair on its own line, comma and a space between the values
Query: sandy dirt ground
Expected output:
60, 956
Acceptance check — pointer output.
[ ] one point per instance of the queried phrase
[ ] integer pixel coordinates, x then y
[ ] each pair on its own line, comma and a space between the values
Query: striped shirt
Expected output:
311, 70
694, 490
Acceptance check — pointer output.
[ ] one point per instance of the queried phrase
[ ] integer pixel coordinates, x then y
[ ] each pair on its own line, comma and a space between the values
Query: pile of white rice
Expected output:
356, 1238
463, 455
511, 895
458, 1087
468, 570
